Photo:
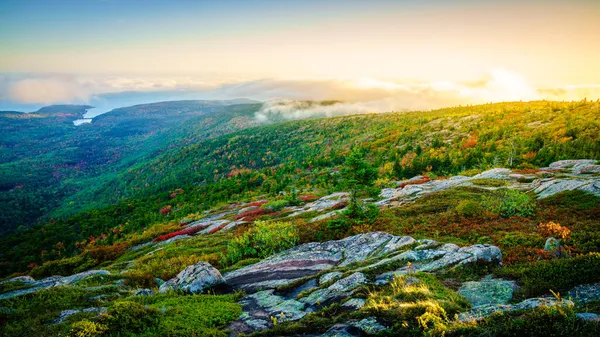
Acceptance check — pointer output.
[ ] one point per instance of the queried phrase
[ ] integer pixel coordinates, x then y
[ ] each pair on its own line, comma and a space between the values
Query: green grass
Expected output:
193, 315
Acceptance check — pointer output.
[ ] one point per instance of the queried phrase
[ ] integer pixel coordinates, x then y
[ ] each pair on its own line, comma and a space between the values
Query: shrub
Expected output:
540, 322
508, 203
130, 316
489, 182
554, 229
262, 240
139, 279
167, 267
253, 213
468, 208
86, 328
107, 253
308, 198
63, 267
275, 205
186, 231
537, 278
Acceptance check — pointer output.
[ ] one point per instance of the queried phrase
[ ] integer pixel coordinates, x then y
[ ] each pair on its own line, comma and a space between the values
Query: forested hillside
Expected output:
47, 160
304, 156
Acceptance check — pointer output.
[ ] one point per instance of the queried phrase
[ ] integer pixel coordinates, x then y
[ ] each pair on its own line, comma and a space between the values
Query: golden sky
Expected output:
548, 43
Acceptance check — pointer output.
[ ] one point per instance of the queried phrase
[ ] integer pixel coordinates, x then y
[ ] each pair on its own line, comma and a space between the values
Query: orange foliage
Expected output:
472, 141
554, 229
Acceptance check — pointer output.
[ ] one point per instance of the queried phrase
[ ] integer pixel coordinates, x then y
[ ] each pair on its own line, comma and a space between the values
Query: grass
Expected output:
415, 302
175, 315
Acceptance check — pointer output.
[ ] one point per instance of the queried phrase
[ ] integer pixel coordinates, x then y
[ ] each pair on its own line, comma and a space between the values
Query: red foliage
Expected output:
471, 142
166, 210
175, 193
187, 231
415, 182
308, 197
216, 229
253, 213
256, 203
340, 205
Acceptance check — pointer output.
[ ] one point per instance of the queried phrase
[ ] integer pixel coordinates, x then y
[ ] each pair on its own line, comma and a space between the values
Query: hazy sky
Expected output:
207, 44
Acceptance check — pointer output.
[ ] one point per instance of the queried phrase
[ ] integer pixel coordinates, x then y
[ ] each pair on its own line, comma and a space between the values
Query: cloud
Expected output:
359, 95
372, 96
47, 90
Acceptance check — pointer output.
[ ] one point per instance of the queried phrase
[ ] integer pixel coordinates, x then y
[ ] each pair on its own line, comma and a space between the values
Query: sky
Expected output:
406, 53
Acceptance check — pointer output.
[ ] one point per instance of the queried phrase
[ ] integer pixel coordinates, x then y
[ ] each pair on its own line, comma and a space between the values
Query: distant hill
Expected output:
45, 158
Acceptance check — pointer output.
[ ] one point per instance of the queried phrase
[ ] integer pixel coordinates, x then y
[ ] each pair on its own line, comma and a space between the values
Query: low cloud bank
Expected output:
361, 95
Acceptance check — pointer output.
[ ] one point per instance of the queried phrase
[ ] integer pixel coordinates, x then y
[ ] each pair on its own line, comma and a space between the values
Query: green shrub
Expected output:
139, 279
489, 182
86, 328
537, 278
130, 316
262, 240
468, 208
540, 322
507, 203
276, 205
64, 267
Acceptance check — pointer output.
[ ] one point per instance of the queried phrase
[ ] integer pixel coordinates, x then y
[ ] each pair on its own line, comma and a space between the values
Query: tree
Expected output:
359, 176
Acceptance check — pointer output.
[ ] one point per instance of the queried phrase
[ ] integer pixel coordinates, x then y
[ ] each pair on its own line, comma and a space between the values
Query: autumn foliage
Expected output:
187, 231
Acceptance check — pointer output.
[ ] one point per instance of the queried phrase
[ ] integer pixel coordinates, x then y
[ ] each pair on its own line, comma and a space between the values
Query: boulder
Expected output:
354, 303
550, 187
340, 289
260, 308
70, 312
432, 260
552, 244
53, 281
311, 258
488, 291
173, 239
497, 173
590, 169
367, 326
486, 310
144, 292
194, 279
571, 164
21, 279
330, 277
585, 293
588, 316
